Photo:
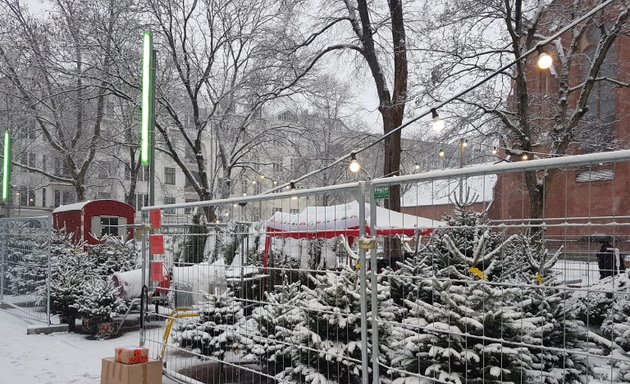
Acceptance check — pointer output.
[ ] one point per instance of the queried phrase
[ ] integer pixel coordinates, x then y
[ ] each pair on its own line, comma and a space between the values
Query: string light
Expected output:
544, 60
525, 157
354, 164
476, 85
244, 193
254, 182
438, 123
441, 153
465, 143
417, 166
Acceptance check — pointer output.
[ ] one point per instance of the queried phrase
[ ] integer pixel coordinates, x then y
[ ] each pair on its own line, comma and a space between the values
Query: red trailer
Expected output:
91, 219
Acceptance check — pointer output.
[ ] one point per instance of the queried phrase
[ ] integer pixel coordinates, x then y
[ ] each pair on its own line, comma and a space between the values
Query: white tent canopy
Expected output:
343, 216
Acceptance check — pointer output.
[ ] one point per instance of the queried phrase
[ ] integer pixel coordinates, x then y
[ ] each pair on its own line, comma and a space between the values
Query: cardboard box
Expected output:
131, 355
118, 373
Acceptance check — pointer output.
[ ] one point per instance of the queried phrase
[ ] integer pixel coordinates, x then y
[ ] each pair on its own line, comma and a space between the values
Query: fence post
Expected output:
49, 270
365, 377
5, 249
374, 269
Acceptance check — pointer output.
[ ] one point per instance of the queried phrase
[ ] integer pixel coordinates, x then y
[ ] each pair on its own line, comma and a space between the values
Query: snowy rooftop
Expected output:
437, 192
71, 207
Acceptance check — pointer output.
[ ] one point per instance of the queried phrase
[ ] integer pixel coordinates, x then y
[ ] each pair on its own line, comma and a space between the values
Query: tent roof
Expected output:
344, 216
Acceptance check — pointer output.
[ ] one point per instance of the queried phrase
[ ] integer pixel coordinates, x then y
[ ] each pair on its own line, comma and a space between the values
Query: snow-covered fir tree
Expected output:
328, 343
463, 336
466, 246
269, 345
112, 254
27, 259
216, 332
99, 301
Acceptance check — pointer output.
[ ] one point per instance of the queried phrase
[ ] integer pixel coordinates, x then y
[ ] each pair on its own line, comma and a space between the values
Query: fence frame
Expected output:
360, 189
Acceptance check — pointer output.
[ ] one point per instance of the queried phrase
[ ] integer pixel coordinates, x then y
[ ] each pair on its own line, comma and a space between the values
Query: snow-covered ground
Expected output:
59, 358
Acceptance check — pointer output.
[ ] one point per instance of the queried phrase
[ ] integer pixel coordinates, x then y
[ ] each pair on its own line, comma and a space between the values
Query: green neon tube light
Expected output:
6, 167
147, 55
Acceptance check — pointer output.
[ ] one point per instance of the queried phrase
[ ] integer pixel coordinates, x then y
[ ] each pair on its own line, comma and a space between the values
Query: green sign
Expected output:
6, 167
381, 193
147, 100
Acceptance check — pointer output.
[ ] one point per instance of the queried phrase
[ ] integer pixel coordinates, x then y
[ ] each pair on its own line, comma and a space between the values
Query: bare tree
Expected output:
49, 63
215, 76
377, 35
535, 112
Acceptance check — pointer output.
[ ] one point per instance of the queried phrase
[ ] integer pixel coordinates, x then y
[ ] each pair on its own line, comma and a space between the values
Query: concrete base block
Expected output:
45, 329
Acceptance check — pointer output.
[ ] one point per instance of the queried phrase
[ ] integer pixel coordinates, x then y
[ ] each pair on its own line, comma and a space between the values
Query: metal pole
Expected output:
5, 249
461, 165
49, 270
152, 133
365, 377
144, 265
374, 269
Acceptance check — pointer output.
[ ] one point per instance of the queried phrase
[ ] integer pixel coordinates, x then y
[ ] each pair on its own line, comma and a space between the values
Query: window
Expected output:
189, 185
22, 197
44, 162
142, 200
103, 195
189, 154
103, 171
44, 196
57, 198
277, 209
109, 225
169, 200
68, 197
188, 210
63, 168
169, 176
143, 174
294, 211
31, 198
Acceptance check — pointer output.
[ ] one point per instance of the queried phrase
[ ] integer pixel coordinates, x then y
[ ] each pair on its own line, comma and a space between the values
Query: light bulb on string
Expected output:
494, 150
525, 157
354, 164
438, 123
465, 143
441, 153
545, 61
417, 167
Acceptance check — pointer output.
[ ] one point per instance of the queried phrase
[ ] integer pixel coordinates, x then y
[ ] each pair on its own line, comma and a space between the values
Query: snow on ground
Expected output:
59, 358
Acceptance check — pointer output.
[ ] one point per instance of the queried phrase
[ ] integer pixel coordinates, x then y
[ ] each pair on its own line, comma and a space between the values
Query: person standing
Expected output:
609, 261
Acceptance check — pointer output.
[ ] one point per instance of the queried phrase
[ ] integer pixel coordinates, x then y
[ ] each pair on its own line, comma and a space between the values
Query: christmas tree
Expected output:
217, 330
270, 343
99, 302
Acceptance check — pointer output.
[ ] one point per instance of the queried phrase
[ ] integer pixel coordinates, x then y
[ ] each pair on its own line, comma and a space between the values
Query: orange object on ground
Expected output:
131, 355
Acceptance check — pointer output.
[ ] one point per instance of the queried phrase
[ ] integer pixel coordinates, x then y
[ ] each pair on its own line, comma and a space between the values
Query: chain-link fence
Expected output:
328, 285
25, 267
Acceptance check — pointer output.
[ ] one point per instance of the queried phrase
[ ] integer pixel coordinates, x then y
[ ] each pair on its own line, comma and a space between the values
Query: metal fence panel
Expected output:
328, 286
26, 266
